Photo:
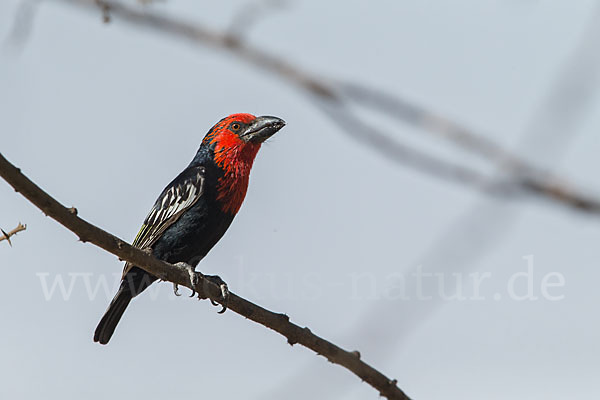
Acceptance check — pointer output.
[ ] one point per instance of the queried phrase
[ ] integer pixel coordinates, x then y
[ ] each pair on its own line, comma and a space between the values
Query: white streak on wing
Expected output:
170, 205
175, 205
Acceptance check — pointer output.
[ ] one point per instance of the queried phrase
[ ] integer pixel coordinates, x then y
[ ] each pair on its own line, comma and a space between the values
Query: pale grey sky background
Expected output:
104, 116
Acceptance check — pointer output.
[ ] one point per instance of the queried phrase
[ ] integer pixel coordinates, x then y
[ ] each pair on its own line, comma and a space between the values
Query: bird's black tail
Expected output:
135, 281
113, 314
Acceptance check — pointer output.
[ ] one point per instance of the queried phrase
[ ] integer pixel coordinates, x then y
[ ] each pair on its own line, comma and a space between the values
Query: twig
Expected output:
168, 272
535, 182
6, 235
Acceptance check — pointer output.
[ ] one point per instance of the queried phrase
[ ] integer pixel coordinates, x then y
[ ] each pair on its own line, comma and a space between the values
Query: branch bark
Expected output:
6, 235
276, 321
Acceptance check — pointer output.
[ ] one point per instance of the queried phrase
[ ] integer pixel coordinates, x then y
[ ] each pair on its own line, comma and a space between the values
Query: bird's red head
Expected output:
235, 140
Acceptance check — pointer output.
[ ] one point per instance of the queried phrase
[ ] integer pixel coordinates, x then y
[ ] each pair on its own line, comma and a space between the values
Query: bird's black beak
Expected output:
263, 128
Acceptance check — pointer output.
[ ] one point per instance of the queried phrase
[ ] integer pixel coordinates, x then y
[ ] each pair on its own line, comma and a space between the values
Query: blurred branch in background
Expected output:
249, 15
547, 137
7, 235
551, 129
520, 182
334, 99
484, 225
22, 24
280, 323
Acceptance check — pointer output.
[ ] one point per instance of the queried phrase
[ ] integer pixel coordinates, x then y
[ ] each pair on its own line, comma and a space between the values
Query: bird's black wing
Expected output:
181, 194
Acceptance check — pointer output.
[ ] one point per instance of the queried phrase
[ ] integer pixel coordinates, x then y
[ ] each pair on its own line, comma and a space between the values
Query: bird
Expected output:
195, 210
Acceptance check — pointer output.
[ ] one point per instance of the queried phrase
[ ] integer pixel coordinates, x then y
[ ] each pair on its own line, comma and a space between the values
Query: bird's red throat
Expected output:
235, 157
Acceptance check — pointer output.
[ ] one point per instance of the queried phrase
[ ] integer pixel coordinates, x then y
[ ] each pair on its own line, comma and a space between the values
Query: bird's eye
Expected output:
235, 126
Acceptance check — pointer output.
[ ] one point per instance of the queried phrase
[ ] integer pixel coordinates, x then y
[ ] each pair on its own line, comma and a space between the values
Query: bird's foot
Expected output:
215, 279
193, 278
224, 291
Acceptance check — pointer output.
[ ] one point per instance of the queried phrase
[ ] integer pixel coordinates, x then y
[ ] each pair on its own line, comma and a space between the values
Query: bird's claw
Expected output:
224, 298
224, 292
176, 290
193, 278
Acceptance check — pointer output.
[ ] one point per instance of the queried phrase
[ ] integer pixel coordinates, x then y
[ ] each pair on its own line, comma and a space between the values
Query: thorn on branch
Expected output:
6, 235
356, 354
73, 210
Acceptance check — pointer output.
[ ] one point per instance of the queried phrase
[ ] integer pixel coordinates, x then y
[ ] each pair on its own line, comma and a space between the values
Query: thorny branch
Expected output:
6, 235
333, 98
168, 272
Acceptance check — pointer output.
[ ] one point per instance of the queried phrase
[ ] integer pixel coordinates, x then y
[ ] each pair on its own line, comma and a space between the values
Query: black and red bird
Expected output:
193, 212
